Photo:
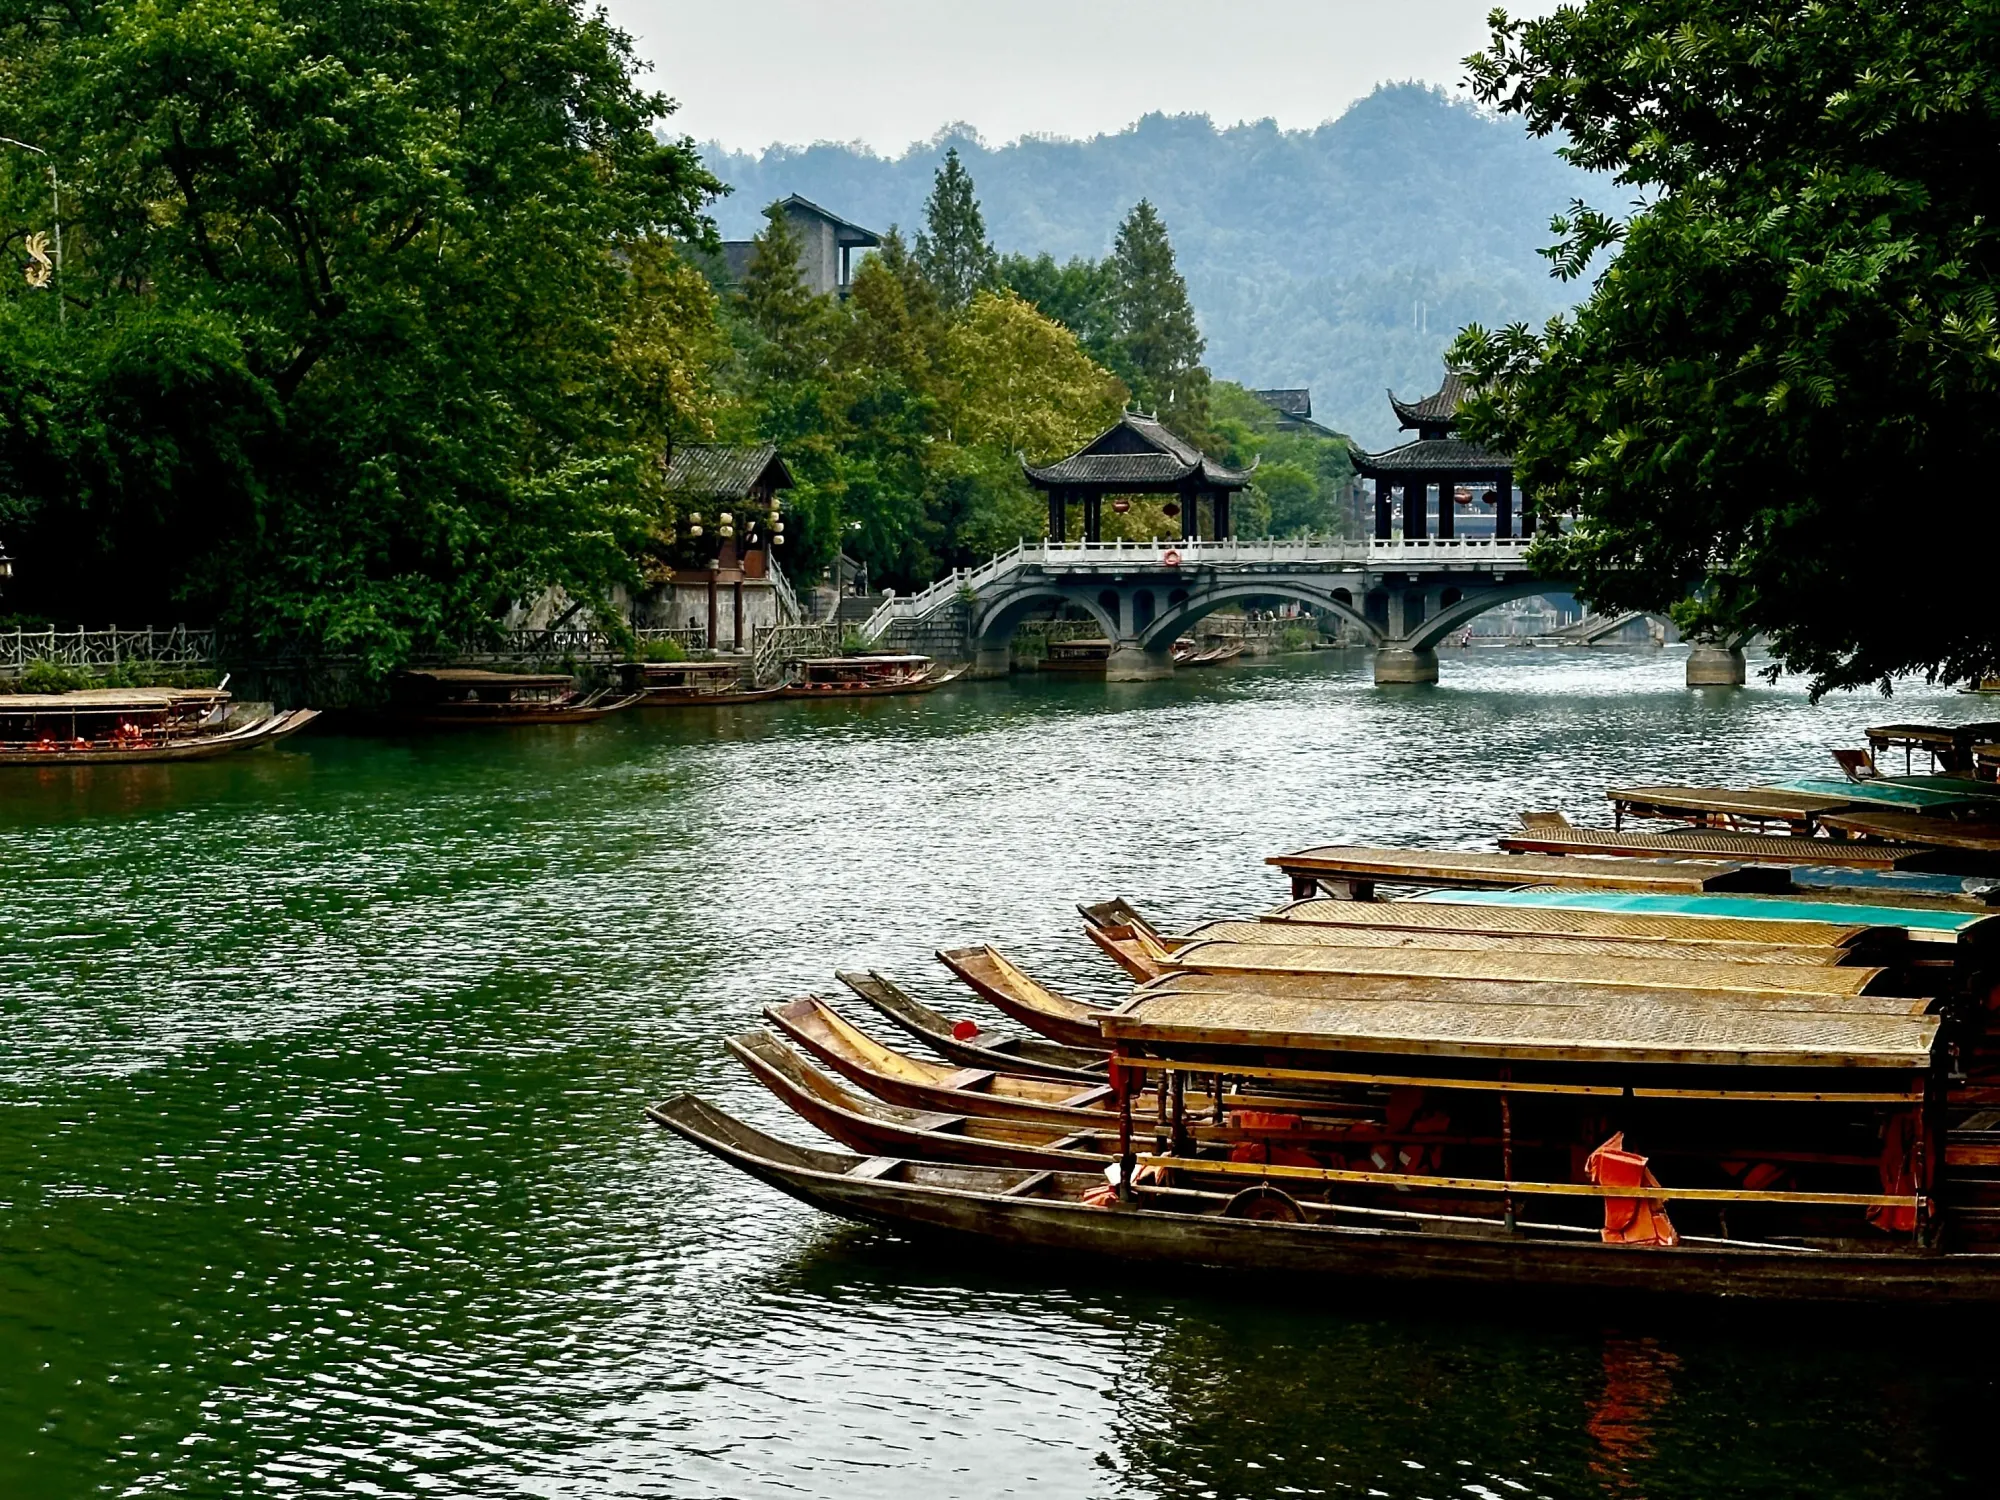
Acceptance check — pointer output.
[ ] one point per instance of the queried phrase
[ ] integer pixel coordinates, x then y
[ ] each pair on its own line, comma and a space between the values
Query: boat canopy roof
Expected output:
108, 700
731, 667
1936, 923
1469, 912
1878, 793
1559, 1024
862, 661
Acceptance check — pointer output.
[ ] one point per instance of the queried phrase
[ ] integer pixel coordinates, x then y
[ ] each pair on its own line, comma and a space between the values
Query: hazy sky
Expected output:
889, 72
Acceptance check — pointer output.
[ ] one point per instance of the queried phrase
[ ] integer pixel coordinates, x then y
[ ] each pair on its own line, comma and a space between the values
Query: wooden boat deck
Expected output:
1704, 843
1558, 944
1981, 836
1472, 915
1361, 869
1623, 1026
1727, 805
1923, 922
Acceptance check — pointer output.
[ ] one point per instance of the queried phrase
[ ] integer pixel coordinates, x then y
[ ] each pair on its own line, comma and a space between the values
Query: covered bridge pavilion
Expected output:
1436, 457
1138, 456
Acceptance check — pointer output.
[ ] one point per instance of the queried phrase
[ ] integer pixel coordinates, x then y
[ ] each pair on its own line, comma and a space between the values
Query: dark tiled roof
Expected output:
1287, 403
1437, 410
714, 473
1137, 451
845, 230
1432, 456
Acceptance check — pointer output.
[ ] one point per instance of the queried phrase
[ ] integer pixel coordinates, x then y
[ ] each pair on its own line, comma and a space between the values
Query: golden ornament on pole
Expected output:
42, 267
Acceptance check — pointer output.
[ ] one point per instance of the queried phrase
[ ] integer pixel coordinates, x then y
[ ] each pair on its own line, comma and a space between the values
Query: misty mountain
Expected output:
1341, 258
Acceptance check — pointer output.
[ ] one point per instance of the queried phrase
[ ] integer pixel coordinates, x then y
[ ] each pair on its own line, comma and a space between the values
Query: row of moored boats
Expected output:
1746, 1050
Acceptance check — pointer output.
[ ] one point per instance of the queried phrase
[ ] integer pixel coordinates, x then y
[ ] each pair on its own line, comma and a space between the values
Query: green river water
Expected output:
323, 1169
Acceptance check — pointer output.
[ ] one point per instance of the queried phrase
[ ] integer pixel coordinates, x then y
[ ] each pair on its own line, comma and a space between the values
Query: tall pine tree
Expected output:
1159, 347
953, 250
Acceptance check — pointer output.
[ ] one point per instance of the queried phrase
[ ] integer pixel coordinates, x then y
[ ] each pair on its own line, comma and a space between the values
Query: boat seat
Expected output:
876, 1166
1544, 820
1859, 765
1027, 1185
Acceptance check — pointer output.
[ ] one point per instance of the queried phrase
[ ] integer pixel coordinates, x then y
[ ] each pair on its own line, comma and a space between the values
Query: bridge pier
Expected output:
1130, 662
992, 661
1402, 664
1717, 666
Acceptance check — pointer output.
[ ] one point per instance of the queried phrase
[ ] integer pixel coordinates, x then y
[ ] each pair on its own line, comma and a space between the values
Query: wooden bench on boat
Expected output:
1751, 809
1704, 843
1356, 871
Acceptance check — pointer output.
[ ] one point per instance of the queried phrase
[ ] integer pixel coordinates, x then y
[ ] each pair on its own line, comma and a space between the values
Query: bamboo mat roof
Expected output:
1705, 843
1527, 968
1643, 950
1622, 1026
1981, 835
1475, 868
1470, 914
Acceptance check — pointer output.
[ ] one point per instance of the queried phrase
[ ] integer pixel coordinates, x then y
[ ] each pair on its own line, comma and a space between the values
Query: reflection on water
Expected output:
323, 1170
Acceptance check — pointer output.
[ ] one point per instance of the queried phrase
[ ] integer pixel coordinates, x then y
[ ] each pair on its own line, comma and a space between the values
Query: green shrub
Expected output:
852, 644
1297, 637
45, 675
665, 649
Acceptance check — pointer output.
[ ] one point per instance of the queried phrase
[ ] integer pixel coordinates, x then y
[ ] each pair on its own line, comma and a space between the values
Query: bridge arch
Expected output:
1190, 606
996, 619
1462, 612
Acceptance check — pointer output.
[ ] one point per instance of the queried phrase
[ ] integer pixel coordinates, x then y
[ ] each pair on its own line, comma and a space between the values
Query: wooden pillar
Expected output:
1093, 516
1222, 515
1527, 516
1190, 515
1416, 502
736, 608
1503, 506
1447, 506
1058, 515
1385, 510
714, 620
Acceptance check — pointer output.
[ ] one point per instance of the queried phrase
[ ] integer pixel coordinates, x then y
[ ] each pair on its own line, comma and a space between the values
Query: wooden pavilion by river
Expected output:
1438, 459
1138, 455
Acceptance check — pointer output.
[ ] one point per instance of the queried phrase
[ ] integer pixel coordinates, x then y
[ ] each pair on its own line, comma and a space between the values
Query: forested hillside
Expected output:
1342, 258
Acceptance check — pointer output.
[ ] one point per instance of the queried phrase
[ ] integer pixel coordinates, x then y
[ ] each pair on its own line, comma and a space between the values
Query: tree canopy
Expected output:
953, 249
1782, 395
356, 352
1159, 342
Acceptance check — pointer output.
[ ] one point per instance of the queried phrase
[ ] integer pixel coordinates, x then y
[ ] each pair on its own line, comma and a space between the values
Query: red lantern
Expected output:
1170, 509
1121, 506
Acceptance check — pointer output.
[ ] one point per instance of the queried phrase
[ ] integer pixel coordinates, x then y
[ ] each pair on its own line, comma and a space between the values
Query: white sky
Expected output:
889, 72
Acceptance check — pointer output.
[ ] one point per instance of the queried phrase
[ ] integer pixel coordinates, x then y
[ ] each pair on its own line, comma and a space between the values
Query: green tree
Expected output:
1794, 338
1076, 293
953, 249
1021, 381
1159, 345
346, 282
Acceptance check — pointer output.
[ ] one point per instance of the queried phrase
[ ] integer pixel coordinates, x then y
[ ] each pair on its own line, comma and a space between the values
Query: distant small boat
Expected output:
1087, 655
1210, 656
471, 697
695, 684
867, 677
130, 726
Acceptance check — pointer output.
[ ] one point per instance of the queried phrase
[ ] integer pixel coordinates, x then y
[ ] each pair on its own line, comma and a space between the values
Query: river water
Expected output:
323, 1169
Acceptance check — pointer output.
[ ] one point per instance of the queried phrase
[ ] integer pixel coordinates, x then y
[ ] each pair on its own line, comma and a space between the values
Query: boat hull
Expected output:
975, 1205
208, 747
1033, 1057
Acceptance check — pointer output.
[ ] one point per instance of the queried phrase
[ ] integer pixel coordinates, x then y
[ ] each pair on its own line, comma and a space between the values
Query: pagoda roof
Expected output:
1137, 453
1436, 412
1432, 456
711, 472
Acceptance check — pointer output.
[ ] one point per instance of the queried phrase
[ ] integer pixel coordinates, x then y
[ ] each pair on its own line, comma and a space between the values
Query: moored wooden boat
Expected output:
1003, 985
132, 726
472, 697
1086, 656
879, 676
1266, 1229
1656, 950
1356, 871
971, 1045
916, 1084
695, 684
1503, 916
1132, 942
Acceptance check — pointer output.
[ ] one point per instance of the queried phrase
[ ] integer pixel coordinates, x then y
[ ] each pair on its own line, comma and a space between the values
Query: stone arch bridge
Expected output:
1403, 595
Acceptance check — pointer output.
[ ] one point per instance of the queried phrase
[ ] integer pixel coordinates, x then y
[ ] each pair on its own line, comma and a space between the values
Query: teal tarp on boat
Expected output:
1876, 793
1748, 908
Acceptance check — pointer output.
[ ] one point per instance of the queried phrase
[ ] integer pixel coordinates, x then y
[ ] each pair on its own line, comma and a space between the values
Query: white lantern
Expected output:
777, 541
694, 531
725, 518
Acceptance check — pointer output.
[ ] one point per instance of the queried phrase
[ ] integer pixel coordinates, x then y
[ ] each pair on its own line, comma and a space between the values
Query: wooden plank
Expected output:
1430, 990
1527, 968
1637, 1027
1466, 916
1701, 803
1704, 843
1982, 835
1519, 1086
1649, 1192
1268, 931
1477, 870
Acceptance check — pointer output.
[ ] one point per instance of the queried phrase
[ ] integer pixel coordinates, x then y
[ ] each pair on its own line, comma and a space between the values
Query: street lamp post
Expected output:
55, 203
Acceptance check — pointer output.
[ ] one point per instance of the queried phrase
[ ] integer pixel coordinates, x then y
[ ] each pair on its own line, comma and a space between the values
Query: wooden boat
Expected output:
867, 677
971, 1045
1356, 871
1087, 656
1503, 916
1884, 791
1948, 745
1131, 941
132, 726
1724, 807
1211, 656
695, 684
1266, 1229
1005, 987
871, 1125
915, 1084
472, 697
1973, 834
1704, 843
